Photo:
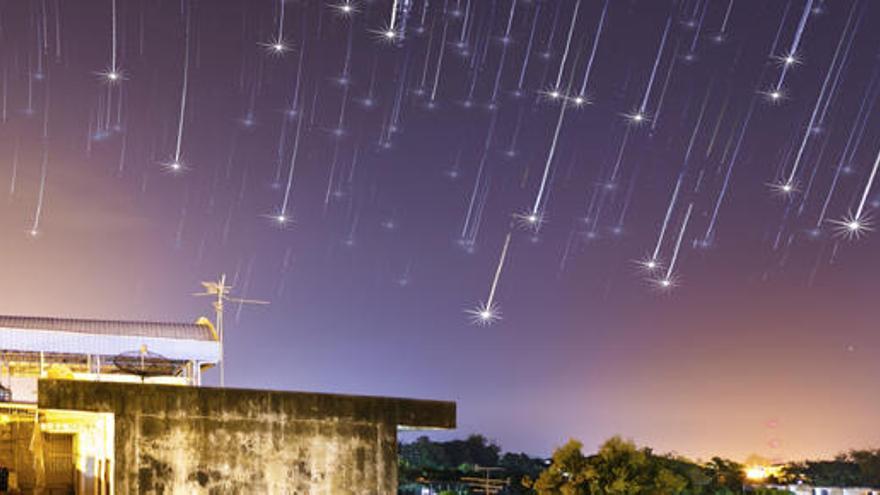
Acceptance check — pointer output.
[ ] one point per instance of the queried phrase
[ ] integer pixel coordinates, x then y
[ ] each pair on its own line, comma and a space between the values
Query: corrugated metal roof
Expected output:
179, 331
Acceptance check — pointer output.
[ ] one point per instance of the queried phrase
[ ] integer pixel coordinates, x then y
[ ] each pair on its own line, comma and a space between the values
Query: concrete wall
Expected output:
186, 440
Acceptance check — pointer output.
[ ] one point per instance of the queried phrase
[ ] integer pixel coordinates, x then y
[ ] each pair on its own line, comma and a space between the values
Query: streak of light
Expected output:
488, 312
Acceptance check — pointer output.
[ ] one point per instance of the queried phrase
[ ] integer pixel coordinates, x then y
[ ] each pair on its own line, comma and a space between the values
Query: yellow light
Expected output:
756, 473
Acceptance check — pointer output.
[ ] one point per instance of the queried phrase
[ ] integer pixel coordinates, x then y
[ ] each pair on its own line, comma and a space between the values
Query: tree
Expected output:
423, 453
619, 468
565, 474
725, 476
622, 468
475, 450
520, 468
868, 462
669, 483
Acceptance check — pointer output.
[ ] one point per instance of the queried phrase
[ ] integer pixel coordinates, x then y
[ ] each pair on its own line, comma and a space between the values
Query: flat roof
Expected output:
157, 400
173, 341
182, 331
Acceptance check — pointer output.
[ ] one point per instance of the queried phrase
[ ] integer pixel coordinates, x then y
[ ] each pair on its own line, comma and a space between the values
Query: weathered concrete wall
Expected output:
185, 440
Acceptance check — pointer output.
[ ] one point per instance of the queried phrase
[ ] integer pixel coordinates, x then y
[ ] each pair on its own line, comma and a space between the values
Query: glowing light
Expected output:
112, 76
387, 35
649, 264
530, 219
551, 152
276, 47
852, 227
784, 188
174, 167
280, 220
775, 95
789, 60
757, 473
636, 118
281, 217
35, 227
488, 313
857, 224
248, 121
345, 9
579, 101
484, 314
669, 280
553, 94
664, 284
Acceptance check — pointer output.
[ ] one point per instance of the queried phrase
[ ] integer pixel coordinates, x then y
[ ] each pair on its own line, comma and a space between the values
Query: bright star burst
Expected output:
277, 47
484, 314
280, 220
174, 167
636, 118
553, 94
530, 220
789, 59
664, 283
784, 188
345, 9
649, 264
387, 34
852, 227
112, 76
774, 95
579, 101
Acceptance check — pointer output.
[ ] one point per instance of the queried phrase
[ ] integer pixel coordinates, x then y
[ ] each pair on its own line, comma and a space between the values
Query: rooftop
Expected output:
71, 336
201, 330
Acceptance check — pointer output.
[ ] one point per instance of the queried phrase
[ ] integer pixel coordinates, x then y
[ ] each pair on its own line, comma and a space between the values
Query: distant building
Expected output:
104, 407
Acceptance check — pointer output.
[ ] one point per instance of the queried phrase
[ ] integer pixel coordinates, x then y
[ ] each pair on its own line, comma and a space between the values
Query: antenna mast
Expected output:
221, 291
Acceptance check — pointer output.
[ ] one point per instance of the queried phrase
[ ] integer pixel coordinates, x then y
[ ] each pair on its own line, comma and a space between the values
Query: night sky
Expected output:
366, 184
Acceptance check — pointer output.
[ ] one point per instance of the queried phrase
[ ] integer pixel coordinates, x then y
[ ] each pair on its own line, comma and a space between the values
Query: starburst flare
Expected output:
484, 314
852, 227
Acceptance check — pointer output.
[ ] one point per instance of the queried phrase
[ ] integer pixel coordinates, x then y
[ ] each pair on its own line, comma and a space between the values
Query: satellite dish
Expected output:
146, 364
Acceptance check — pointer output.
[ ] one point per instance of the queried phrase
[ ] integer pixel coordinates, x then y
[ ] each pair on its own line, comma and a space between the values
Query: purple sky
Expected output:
767, 345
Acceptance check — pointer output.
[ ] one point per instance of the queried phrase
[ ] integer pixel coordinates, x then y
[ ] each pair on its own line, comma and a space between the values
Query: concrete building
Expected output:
103, 407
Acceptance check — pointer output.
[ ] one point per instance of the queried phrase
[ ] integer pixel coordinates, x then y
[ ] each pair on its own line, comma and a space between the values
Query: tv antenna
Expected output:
220, 291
